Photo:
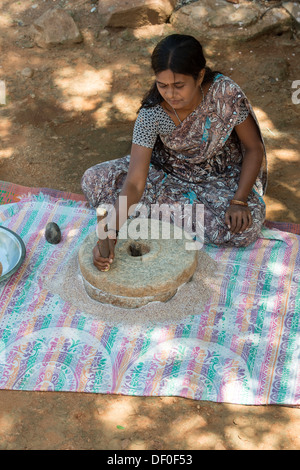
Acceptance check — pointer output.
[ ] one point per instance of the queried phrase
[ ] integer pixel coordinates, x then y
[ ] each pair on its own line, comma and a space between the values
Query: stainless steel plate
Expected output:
12, 252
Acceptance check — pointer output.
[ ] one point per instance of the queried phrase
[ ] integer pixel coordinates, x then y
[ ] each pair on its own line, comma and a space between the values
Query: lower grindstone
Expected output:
144, 270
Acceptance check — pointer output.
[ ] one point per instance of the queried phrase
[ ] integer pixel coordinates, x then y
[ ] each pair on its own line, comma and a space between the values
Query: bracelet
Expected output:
238, 203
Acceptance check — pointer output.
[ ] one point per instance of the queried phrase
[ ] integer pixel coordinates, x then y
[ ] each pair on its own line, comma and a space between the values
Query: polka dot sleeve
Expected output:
243, 113
145, 128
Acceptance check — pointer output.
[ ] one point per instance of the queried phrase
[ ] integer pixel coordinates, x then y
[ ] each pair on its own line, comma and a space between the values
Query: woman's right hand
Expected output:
103, 264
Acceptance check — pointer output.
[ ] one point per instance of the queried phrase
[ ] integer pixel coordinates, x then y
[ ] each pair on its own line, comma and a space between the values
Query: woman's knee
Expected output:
92, 175
221, 236
247, 237
90, 184
86, 181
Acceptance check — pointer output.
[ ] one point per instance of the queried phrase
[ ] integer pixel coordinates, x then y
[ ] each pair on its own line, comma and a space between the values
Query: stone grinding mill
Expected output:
150, 268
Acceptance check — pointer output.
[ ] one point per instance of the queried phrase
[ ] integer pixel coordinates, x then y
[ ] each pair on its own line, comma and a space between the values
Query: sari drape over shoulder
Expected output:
205, 146
197, 162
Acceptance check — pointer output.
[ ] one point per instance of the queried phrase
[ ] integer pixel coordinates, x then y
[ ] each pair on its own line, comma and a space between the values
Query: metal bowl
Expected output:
12, 252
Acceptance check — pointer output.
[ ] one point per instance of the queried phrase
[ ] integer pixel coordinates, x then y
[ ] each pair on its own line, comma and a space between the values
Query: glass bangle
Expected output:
238, 203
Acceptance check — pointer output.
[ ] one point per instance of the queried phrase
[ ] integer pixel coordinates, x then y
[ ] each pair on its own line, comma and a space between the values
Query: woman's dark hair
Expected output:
180, 53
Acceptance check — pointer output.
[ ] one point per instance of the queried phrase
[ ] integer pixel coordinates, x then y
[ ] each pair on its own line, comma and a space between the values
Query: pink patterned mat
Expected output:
241, 347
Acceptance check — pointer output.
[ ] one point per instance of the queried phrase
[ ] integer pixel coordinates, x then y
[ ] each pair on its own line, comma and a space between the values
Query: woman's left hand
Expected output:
238, 218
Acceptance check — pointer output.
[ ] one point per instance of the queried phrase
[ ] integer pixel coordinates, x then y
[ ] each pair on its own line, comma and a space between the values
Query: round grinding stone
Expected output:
147, 269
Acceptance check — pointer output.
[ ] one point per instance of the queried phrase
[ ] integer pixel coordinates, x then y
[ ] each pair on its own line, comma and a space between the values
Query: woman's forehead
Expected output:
168, 77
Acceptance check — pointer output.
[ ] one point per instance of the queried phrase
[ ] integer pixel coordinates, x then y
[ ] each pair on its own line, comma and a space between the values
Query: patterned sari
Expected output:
198, 163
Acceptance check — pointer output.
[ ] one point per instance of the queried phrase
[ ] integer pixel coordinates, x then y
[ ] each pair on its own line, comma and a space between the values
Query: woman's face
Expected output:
178, 90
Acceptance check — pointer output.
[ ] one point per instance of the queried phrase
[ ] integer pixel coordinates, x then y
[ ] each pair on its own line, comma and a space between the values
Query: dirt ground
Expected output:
76, 107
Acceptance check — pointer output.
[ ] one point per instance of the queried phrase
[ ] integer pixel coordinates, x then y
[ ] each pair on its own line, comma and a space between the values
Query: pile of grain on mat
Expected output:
190, 298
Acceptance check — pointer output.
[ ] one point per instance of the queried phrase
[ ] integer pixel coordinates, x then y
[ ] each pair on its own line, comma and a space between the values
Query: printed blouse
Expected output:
154, 121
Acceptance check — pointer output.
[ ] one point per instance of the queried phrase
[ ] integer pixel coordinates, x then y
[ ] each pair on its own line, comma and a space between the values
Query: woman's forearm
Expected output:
250, 168
132, 196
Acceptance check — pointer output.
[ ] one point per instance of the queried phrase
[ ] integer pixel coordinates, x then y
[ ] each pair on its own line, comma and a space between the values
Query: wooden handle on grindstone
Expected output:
103, 245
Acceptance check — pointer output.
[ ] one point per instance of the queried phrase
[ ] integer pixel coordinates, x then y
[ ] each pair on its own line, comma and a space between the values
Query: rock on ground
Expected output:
135, 13
55, 27
218, 20
294, 9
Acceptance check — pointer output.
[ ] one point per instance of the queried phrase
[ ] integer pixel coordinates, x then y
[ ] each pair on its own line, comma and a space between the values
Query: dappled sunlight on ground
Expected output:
5, 20
126, 105
6, 424
83, 90
5, 127
264, 120
7, 153
287, 155
77, 110
116, 414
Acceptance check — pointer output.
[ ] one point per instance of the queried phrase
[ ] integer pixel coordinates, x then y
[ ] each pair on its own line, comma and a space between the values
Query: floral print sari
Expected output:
198, 163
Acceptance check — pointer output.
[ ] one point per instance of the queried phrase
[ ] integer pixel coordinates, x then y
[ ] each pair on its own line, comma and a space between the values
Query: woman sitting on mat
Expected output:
196, 140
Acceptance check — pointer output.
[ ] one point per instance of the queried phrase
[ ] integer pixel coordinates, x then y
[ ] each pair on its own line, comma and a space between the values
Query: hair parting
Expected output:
182, 54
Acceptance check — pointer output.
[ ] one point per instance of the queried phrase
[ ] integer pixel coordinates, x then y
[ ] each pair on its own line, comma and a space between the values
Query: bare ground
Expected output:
77, 109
